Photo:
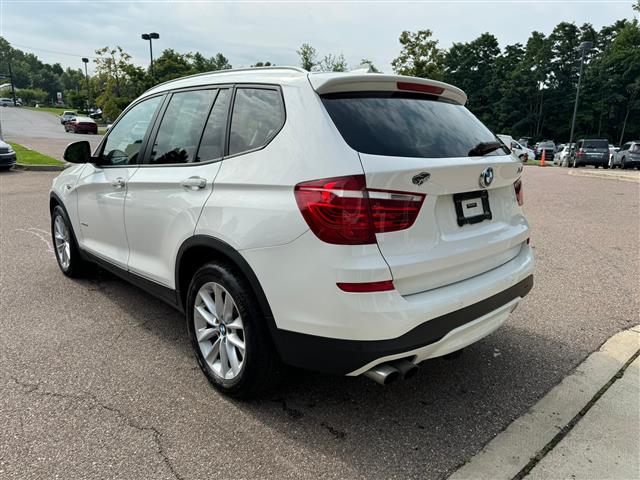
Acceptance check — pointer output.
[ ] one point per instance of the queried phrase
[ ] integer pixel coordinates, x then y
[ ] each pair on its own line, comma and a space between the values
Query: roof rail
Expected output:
230, 70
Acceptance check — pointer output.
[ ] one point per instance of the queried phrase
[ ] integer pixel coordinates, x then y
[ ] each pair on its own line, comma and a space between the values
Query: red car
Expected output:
81, 125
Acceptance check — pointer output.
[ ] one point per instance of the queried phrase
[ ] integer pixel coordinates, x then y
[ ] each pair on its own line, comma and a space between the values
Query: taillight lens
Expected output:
519, 193
367, 287
343, 211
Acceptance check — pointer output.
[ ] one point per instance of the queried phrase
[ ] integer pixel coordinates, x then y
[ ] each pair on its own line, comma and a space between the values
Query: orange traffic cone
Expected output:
542, 158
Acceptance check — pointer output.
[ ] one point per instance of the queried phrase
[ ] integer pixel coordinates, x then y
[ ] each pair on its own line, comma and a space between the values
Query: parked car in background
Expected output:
6, 102
628, 156
518, 150
549, 147
562, 153
81, 125
66, 116
7, 156
525, 141
210, 192
590, 152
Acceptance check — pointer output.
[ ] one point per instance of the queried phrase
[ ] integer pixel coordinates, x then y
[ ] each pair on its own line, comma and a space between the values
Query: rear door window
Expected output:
181, 127
406, 125
258, 115
635, 148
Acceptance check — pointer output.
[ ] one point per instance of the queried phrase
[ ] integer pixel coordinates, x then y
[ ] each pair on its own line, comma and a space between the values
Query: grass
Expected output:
53, 110
537, 163
102, 130
26, 156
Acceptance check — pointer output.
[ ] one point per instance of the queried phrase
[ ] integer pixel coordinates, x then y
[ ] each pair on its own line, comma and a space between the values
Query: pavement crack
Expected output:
155, 434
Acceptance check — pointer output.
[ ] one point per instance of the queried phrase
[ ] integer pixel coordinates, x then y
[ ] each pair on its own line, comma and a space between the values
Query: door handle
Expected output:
118, 182
194, 183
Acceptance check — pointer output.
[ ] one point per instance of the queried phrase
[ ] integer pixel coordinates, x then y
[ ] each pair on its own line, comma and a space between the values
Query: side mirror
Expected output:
78, 152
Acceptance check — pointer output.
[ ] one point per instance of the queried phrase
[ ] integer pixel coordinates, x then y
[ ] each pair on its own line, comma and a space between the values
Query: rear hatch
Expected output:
419, 140
596, 149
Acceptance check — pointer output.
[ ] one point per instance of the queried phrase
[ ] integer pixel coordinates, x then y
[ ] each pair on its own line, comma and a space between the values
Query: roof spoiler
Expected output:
363, 82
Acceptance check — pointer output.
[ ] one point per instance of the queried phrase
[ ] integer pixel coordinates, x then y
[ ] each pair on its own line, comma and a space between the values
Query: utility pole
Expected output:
7, 55
151, 36
86, 77
584, 46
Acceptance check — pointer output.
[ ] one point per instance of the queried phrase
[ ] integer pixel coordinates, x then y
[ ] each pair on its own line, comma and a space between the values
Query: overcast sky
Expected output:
248, 32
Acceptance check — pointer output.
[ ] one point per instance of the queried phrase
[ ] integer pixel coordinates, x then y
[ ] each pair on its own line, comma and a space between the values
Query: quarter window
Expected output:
125, 137
212, 144
181, 127
258, 114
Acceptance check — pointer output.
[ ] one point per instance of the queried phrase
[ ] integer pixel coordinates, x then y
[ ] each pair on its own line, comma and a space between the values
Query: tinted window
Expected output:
125, 137
212, 144
635, 148
596, 144
406, 125
181, 127
258, 114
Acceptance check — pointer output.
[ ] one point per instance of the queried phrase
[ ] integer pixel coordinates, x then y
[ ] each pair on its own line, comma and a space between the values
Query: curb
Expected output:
528, 436
611, 176
39, 168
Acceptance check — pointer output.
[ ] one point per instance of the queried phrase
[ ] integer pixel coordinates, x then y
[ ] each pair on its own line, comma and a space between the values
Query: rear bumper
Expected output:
435, 337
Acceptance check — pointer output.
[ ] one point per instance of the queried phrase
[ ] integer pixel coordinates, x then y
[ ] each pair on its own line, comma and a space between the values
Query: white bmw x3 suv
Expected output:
340, 222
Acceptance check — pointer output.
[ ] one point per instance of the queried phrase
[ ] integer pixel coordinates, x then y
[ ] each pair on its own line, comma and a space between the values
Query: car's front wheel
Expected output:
65, 246
229, 334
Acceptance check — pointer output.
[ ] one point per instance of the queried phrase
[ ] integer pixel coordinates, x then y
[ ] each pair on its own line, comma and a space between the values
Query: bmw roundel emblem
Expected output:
486, 177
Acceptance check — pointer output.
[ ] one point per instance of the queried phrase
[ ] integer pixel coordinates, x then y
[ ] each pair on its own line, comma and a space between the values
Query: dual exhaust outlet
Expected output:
389, 372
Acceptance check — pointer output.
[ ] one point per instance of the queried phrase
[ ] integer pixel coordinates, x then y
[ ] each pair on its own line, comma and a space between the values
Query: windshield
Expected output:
407, 125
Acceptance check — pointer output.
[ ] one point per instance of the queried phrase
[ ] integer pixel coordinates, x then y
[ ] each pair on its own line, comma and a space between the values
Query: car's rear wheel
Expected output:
623, 164
605, 165
65, 246
229, 334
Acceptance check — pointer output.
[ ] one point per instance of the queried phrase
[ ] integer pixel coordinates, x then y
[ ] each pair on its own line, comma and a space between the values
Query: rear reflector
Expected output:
420, 87
519, 193
367, 287
342, 211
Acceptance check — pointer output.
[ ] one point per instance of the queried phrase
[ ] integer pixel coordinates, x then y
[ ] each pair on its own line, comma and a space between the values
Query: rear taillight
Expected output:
519, 193
580, 153
343, 211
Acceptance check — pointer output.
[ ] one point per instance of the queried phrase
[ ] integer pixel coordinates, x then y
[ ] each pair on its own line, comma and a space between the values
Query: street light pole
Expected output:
584, 46
86, 77
151, 36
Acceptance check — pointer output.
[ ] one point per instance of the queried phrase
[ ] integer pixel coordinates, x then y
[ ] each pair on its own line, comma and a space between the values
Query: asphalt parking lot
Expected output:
40, 131
97, 378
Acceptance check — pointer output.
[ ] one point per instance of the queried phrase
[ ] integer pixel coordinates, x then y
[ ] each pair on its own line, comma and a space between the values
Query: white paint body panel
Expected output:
101, 212
160, 214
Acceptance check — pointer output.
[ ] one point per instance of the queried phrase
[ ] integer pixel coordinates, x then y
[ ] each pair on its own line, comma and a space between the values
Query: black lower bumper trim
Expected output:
338, 356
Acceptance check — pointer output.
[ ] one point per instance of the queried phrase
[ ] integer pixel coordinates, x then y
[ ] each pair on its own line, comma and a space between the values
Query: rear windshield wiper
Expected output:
483, 148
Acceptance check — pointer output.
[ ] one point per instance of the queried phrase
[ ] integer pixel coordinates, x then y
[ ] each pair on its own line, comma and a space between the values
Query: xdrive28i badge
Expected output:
420, 178
486, 177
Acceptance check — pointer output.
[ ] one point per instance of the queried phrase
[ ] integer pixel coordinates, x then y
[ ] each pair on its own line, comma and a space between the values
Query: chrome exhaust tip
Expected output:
406, 368
384, 374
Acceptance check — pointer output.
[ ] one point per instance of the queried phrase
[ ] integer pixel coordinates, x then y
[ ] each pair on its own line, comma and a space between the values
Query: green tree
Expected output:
333, 63
420, 56
308, 56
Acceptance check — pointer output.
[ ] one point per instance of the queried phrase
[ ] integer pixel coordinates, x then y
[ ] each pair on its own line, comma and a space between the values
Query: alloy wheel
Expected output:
62, 242
219, 330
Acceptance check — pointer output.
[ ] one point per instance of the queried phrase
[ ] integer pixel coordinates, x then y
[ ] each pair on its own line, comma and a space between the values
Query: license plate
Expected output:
472, 207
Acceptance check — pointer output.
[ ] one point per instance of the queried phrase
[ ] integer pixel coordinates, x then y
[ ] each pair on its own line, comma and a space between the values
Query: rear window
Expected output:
635, 148
406, 125
596, 144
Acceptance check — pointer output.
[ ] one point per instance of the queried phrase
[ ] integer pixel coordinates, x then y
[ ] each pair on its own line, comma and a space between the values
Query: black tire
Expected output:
596, 166
78, 267
261, 366
623, 164
605, 166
